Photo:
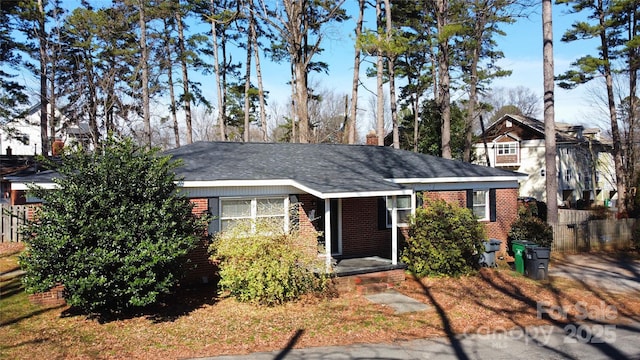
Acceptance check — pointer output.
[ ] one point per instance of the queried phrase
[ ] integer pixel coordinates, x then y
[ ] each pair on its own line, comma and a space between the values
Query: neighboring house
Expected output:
358, 196
584, 161
22, 136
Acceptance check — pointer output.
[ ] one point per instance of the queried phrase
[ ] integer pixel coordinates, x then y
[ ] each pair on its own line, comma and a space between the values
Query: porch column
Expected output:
394, 230
327, 233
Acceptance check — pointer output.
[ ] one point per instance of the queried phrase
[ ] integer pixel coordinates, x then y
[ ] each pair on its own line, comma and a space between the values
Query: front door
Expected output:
335, 226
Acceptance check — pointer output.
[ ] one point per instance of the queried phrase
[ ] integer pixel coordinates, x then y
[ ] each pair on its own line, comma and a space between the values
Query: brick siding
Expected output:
201, 268
506, 214
506, 210
52, 297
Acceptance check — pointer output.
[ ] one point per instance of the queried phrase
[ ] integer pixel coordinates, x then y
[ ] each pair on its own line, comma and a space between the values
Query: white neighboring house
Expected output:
583, 159
22, 136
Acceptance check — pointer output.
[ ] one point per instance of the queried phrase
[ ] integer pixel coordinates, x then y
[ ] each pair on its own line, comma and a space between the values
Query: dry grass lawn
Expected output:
198, 323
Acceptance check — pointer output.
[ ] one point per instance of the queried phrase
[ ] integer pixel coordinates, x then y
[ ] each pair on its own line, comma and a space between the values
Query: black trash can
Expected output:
537, 262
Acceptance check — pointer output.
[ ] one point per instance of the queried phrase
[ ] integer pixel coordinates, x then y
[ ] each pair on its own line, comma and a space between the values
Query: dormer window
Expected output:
507, 148
507, 153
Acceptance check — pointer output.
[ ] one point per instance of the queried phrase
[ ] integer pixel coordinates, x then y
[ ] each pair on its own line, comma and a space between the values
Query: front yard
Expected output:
196, 322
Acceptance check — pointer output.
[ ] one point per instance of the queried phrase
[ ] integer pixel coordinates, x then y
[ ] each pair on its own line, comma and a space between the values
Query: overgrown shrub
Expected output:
114, 231
444, 239
532, 229
260, 263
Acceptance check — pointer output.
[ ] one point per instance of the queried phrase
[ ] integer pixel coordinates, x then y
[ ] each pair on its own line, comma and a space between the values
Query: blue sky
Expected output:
522, 47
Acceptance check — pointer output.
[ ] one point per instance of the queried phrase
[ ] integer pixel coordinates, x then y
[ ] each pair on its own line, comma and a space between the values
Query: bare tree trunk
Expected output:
263, 111
352, 125
484, 140
615, 131
172, 97
188, 97
256, 52
221, 91
444, 97
634, 64
392, 74
379, 80
551, 178
302, 99
247, 86
42, 46
416, 121
52, 97
146, 118
471, 107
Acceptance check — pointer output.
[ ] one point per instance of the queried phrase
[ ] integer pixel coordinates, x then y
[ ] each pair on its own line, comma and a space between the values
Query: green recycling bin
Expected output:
519, 247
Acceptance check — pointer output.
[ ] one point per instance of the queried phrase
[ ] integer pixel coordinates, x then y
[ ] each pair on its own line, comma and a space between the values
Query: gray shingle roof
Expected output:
326, 168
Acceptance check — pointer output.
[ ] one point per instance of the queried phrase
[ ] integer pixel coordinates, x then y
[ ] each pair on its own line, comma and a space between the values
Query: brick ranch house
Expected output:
358, 196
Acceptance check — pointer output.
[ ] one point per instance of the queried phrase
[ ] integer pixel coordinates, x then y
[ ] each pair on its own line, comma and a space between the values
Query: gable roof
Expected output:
326, 170
534, 125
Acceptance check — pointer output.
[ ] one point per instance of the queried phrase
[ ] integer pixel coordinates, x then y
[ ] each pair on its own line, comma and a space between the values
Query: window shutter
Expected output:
470, 199
382, 213
214, 211
492, 205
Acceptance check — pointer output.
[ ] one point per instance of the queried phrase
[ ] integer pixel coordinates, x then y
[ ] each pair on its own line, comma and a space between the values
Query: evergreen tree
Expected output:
115, 231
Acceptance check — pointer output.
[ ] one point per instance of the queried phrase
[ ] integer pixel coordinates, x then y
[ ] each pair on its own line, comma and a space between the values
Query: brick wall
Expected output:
201, 268
458, 197
360, 234
52, 297
506, 214
506, 210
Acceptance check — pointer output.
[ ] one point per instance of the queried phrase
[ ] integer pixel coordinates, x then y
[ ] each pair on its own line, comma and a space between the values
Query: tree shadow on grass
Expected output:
29, 315
503, 286
292, 342
10, 287
446, 322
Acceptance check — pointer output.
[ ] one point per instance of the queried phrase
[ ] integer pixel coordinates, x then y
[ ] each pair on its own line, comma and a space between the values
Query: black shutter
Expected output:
492, 205
214, 211
382, 213
470, 199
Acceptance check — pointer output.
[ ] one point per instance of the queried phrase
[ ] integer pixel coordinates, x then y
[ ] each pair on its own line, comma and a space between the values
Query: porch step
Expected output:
370, 283
373, 288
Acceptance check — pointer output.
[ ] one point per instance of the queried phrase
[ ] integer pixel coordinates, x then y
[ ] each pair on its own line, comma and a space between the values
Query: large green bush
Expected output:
444, 239
260, 263
114, 232
532, 229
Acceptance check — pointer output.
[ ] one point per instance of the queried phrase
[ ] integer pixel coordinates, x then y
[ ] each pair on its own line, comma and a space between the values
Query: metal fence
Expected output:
11, 218
575, 232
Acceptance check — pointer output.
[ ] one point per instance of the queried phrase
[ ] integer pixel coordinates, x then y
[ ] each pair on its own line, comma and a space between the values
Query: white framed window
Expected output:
510, 148
403, 206
542, 172
481, 204
238, 210
567, 175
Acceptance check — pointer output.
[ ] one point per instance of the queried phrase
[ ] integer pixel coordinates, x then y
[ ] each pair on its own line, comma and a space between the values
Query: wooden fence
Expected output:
11, 218
575, 232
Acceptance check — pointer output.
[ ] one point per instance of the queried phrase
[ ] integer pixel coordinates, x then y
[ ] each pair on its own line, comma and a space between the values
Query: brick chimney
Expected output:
372, 138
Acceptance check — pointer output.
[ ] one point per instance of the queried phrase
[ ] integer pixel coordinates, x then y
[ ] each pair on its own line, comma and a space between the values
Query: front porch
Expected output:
363, 265
366, 275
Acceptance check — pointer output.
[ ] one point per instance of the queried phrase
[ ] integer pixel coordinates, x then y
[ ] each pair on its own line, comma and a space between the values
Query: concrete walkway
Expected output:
399, 302
544, 342
602, 271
